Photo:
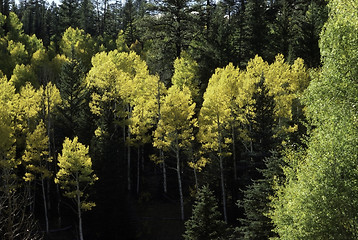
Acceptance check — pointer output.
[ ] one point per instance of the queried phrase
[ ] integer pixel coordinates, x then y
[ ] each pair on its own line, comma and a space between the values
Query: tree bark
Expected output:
138, 169
164, 172
180, 185
221, 169
129, 108
45, 204
79, 208
234, 151
129, 161
196, 180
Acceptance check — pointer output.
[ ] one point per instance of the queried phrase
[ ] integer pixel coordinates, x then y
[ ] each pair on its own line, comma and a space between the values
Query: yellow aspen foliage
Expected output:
174, 131
56, 64
102, 80
175, 128
23, 74
255, 69
286, 84
145, 110
218, 107
17, 52
217, 115
7, 127
36, 155
75, 43
121, 78
76, 175
51, 97
186, 74
29, 103
75, 171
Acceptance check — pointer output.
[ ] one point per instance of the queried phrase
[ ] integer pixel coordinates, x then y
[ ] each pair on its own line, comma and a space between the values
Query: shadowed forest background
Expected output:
179, 119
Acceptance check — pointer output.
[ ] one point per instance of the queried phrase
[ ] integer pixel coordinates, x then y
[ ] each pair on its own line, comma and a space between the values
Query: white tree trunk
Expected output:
138, 169
164, 172
234, 151
129, 161
180, 186
45, 204
196, 180
223, 187
79, 208
221, 169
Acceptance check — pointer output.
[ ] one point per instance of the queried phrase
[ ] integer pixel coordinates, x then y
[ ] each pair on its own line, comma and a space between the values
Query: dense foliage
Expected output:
248, 106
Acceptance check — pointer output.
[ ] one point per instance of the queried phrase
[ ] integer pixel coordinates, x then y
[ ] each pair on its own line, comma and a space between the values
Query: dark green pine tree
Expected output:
255, 225
263, 123
129, 17
255, 30
211, 46
53, 21
308, 20
69, 14
238, 34
87, 17
261, 168
168, 27
114, 19
72, 118
296, 28
206, 222
33, 15
261, 131
5, 7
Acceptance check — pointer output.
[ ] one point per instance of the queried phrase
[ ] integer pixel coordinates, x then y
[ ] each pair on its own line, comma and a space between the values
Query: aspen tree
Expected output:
36, 158
215, 116
174, 132
76, 175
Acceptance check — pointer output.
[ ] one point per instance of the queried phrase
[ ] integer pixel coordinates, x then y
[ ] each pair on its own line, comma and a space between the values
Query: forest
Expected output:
179, 119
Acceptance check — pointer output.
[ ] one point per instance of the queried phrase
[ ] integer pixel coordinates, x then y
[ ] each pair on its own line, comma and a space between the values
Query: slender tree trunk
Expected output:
223, 187
164, 171
79, 208
234, 151
59, 219
221, 170
49, 148
129, 151
180, 186
142, 151
196, 180
138, 169
45, 204
129, 163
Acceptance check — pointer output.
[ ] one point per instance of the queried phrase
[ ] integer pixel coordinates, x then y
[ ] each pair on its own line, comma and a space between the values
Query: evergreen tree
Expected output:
296, 29
73, 94
255, 30
262, 125
256, 202
69, 14
53, 28
169, 29
5, 7
86, 20
205, 223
